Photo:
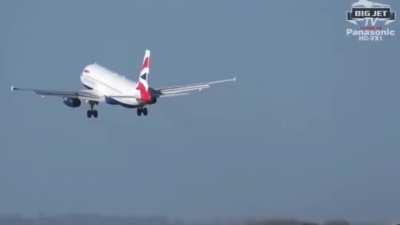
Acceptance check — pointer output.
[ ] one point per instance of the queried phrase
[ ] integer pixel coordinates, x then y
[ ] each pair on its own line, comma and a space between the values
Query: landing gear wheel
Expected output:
91, 112
141, 111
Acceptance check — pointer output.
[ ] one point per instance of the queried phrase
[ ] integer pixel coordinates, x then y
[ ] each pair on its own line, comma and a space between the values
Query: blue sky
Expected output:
310, 129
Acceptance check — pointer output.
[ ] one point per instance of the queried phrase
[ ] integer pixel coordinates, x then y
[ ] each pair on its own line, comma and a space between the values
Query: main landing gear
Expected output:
141, 110
92, 112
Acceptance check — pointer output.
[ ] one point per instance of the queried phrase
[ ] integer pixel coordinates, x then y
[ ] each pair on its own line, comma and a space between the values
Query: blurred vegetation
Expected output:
98, 219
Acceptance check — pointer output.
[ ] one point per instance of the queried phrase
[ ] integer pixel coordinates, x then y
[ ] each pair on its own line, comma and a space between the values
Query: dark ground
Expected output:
97, 219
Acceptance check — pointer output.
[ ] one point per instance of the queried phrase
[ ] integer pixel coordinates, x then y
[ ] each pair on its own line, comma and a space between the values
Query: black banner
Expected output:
375, 13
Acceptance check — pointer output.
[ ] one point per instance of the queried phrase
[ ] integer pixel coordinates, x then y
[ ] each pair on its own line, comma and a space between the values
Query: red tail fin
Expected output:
143, 83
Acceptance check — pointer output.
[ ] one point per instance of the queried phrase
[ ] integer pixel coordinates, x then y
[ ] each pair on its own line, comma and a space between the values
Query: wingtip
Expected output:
234, 79
12, 88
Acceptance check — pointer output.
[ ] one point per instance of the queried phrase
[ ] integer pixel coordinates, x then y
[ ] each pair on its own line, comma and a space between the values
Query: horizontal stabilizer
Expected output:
191, 88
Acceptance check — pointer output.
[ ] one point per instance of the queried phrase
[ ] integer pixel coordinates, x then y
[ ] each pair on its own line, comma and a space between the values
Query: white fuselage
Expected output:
108, 83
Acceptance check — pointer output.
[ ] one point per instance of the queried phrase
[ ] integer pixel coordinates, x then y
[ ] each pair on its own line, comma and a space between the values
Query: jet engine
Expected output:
72, 102
153, 100
154, 95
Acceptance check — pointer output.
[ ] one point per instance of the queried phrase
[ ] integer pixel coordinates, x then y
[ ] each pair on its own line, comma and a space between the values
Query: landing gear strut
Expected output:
141, 111
92, 112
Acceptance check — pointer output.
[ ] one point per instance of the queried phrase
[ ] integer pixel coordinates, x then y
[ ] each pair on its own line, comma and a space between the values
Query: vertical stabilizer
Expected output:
143, 80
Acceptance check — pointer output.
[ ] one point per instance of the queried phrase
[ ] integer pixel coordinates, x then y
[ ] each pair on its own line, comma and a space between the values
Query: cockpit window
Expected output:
86, 71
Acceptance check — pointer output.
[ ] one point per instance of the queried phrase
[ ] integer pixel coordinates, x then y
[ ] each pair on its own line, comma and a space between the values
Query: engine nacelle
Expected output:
72, 102
154, 95
153, 100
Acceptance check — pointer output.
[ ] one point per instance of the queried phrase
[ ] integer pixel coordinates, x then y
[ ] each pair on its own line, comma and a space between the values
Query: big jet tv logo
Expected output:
370, 21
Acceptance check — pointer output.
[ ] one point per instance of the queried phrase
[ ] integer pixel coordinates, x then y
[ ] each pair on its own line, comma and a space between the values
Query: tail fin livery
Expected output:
143, 82
145, 69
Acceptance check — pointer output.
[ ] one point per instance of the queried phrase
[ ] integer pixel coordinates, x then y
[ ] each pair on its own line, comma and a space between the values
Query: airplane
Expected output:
105, 86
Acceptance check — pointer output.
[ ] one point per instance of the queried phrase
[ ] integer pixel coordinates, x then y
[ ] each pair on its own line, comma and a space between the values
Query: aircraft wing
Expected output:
189, 89
82, 94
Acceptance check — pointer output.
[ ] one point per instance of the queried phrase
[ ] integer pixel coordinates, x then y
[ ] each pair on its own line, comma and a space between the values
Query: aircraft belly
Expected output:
131, 103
